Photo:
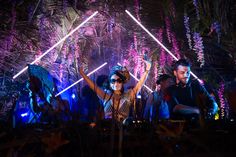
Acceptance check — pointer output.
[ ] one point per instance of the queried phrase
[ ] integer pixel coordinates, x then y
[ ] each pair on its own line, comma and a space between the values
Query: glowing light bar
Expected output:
156, 40
81, 79
24, 114
64, 38
150, 34
137, 79
196, 77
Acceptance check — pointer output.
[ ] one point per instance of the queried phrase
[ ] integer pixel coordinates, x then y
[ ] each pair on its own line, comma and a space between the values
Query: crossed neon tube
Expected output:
158, 43
64, 38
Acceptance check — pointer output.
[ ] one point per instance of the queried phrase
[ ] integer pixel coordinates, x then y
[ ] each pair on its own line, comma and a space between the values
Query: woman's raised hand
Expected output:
147, 62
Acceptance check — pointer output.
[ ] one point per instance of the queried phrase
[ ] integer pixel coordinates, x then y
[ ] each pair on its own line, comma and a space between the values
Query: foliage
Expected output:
29, 28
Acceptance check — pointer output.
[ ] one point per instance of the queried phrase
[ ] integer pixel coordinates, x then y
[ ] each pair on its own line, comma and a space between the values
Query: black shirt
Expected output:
193, 95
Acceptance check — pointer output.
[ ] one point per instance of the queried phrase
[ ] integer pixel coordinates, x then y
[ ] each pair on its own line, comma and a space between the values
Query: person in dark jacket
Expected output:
156, 107
188, 99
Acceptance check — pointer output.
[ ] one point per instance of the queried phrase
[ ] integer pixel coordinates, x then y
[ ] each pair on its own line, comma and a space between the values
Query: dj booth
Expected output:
107, 138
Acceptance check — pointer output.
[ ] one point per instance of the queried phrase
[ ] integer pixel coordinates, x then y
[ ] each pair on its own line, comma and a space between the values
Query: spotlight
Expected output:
139, 96
81, 79
24, 114
64, 38
73, 96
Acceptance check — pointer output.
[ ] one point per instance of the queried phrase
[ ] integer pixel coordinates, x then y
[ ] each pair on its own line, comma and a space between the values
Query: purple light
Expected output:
168, 51
150, 34
64, 38
201, 82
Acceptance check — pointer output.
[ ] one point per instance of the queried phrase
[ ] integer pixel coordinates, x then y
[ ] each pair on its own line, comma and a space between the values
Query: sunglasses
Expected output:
114, 80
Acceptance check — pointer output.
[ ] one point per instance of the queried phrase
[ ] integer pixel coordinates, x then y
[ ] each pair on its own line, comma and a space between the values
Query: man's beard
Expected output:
184, 81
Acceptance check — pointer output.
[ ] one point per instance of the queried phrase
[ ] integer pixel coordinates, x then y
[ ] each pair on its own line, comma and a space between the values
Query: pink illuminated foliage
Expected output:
188, 31
224, 110
168, 29
110, 36
199, 48
175, 46
195, 3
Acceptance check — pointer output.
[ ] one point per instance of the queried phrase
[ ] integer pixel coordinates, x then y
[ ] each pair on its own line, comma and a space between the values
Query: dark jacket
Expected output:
193, 94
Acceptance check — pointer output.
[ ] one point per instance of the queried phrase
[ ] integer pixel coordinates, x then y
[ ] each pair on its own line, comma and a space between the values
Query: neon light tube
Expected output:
64, 38
151, 34
157, 40
81, 79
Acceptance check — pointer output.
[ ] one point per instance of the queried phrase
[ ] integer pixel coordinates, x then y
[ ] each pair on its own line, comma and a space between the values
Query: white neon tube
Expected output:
157, 40
81, 79
137, 79
150, 34
60, 41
